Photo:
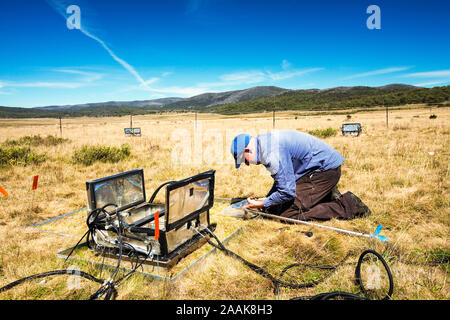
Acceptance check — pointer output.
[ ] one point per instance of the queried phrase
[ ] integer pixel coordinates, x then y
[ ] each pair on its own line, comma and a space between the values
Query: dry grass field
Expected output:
400, 172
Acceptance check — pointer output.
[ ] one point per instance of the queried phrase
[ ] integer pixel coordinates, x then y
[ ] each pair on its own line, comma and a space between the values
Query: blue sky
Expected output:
138, 50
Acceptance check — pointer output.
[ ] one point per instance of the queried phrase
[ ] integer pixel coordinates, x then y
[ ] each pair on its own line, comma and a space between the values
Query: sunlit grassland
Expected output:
401, 173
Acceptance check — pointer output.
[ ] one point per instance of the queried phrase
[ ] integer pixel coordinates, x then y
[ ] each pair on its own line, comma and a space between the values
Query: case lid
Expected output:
124, 189
186, 199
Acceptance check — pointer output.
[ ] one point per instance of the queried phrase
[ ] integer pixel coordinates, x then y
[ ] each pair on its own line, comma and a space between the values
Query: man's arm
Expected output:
284, 181
272, 190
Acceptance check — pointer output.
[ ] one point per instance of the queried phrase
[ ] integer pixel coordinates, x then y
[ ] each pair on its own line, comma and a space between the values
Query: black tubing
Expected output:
51, 273
323, 296
157, 190
358, 273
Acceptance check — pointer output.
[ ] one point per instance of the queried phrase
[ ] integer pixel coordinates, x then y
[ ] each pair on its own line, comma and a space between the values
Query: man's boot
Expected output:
362, 210
335, 193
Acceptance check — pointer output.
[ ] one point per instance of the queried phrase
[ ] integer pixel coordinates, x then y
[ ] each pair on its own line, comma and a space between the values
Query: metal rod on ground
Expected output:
310, 224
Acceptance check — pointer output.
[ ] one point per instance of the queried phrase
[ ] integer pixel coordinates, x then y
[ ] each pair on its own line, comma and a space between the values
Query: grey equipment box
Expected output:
351, 129
163, 231
132, 132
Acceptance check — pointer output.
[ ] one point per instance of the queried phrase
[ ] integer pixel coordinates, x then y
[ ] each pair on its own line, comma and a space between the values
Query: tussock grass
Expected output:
323, 133
18, 151
87, 155
19, 156
35, 140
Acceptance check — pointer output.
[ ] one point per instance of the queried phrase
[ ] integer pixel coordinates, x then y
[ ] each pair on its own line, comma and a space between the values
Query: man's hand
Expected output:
254, 203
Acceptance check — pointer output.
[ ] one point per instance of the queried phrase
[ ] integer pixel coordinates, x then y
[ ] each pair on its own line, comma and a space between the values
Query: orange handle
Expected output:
157, 225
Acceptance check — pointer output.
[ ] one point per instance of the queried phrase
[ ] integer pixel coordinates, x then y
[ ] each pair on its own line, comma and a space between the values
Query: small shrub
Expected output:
19, 156
349, 116
433, 116
35, 141
87, 155
323, 133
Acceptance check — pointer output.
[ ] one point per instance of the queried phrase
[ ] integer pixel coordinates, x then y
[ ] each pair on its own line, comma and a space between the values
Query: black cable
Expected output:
323, 296
98, 217
276, 282
332, 295
157, 190
51, 273
358, 273
135, 268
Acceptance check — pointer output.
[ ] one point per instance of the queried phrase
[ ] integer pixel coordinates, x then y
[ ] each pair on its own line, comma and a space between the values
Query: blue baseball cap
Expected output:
240, 142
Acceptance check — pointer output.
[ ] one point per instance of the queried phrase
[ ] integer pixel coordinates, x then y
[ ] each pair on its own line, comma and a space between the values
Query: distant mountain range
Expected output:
157, 103
255, 99
340, 98
196, 102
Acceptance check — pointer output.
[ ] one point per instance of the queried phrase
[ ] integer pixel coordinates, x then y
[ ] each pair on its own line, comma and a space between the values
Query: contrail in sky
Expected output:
61, 9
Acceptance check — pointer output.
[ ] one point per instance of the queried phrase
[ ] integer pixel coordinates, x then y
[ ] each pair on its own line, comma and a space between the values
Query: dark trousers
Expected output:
313, 199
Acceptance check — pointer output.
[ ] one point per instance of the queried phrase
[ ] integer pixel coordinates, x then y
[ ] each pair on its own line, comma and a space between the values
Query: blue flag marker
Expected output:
377, 232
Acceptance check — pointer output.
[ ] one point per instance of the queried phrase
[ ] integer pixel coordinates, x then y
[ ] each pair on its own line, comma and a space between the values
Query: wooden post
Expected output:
387, 117
273, 119
131, 121
60, 126
195, 119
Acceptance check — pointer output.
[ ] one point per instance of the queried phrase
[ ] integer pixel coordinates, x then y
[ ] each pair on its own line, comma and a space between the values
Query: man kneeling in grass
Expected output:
305, 170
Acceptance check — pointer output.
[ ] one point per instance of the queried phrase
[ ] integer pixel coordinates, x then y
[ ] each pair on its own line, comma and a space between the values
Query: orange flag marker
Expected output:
3, 191
35, 182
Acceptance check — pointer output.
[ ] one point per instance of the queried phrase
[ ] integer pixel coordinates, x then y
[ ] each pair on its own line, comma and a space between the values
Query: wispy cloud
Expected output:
87, 76
429, 74
376, 72
85, 79
256, 76
149, 81
246, 77
3, 92
163, 91
179, 91
227, 81
43, 84
285, 64
278, 76
61, 6
431, 83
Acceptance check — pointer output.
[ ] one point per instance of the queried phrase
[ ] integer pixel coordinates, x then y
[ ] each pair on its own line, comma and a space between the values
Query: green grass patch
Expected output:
19, 156
87, 155
35, 141
323, 133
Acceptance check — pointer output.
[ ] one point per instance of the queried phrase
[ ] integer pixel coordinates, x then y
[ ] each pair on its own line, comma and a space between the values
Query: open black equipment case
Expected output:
164, 232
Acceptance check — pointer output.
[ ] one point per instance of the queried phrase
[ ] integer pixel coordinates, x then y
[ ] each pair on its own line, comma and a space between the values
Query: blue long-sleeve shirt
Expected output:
289, 155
